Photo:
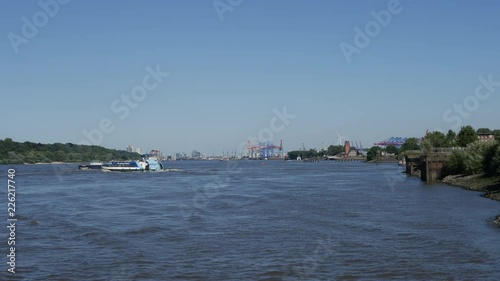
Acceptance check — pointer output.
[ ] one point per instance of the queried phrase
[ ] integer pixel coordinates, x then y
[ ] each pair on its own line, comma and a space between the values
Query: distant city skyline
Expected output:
180, 75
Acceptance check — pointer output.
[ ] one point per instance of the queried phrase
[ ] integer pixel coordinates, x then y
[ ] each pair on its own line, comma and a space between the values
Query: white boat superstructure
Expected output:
149, 164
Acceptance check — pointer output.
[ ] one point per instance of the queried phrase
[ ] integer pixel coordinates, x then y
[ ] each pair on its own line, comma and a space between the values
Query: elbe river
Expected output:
247, 220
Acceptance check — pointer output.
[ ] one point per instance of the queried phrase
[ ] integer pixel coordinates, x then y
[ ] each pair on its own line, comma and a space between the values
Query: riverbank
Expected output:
490, 185
387, 159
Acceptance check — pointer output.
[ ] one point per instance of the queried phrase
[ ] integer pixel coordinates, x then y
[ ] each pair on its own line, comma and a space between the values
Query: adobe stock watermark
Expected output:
120, 274
322, 252
223, 6
123, 105
363, 38
60, 169
201, 199
210, 190
394, 178
461, 111
30, 28
267, 134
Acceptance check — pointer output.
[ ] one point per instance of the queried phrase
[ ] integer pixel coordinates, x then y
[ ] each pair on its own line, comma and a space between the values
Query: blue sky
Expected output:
226, 76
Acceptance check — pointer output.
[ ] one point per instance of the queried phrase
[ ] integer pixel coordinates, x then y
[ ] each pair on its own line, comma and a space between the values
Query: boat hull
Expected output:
122, 169
91, 166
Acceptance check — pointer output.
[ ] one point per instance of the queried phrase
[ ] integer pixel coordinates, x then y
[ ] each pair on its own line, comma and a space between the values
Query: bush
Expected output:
474, 156
456, 163
495, 163
373, 152
491, 161
473, 163
478, 157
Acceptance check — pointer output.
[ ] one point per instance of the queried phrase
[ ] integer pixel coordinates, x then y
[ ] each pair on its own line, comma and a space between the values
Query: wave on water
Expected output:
145, 230
173, 170
191, 172
320, 221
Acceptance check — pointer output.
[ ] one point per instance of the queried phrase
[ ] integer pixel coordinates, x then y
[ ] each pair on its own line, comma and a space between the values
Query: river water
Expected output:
248, 220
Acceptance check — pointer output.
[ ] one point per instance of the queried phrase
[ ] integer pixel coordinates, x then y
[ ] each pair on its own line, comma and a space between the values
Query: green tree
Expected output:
466, 136
410, 144
437, 139
497, 134
12, 152
455, 165
30, 157
311, 153
59, 156
391, 149
484, 131
451, 137
373, 153
293, 154
476, 158
6, 146
491, 161
335, 149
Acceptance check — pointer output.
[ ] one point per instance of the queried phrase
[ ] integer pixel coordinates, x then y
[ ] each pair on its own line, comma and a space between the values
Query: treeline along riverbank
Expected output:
12, 152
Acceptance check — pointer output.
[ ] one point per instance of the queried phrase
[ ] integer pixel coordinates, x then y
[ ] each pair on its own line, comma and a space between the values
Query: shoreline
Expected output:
479, 182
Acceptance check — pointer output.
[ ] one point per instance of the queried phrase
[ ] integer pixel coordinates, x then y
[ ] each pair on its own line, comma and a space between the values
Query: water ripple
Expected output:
278, 221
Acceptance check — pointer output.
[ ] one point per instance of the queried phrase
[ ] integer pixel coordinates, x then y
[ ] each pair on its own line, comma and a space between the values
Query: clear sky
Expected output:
226, 75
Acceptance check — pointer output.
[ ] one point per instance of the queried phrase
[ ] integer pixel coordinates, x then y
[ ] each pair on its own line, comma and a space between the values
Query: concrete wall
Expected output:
432, 167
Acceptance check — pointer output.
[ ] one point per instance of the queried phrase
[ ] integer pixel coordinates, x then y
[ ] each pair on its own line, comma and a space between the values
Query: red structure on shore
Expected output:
347, 148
